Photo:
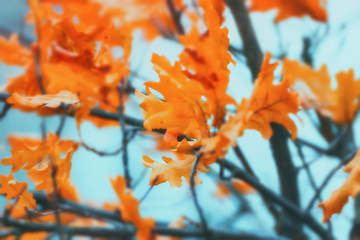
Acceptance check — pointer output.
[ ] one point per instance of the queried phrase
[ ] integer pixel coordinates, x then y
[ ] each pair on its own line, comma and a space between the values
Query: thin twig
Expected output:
176, 16
55, 200
125, 231
329, 149
307, 169
101, 153
288, 206
5, 109
150, 188
243, 159
43, 129
61, 124
327, 180
196, 200
310, 176
125, 158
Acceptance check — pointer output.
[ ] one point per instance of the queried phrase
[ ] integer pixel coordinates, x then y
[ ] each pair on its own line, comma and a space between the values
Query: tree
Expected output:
79, 67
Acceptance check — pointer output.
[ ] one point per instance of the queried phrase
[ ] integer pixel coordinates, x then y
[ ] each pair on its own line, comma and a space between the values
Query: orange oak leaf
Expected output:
29, 236
181, 112
155, 21
242, 187
268, 103
171, 170
206, 59
13, 53
129, 208
18, 190
239, 185
346, 98
68, 191
295, 8
222, 190
79, 56
27, 153
26, 158
313, 86
350, 187
42, 176
43, 104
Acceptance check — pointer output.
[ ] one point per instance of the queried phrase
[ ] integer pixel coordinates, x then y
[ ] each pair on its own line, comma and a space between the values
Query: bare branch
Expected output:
288, 206
327, 180
194, 195
124, 132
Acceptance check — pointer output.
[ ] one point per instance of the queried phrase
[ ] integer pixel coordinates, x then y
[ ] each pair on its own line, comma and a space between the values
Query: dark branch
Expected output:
327, 180
288, 206
251, 47
194, 195
243, 159
176, 16
124, 132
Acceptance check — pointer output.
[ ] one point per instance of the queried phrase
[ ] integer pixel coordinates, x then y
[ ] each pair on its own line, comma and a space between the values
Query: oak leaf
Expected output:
129, 208
18, 190
29, 236
206, 59
155, 21
313, 86
43, 104
60, 168
181, 112
268, 103
27, 153
350, 187
295, 8
346, 98
222, 190
242, 187
239, 185
171, 170
13, 53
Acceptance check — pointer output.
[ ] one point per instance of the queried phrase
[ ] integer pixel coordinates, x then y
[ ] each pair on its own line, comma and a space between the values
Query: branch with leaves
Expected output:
79, 66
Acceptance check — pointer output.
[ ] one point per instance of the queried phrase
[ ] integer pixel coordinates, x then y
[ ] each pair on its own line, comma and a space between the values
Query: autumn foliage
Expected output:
80, 67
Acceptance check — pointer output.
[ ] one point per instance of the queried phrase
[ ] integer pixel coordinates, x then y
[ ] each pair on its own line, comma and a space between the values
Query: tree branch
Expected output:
327, 180
288, 206
285, 168
124, 132
196, 200
251, 47
120, 231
